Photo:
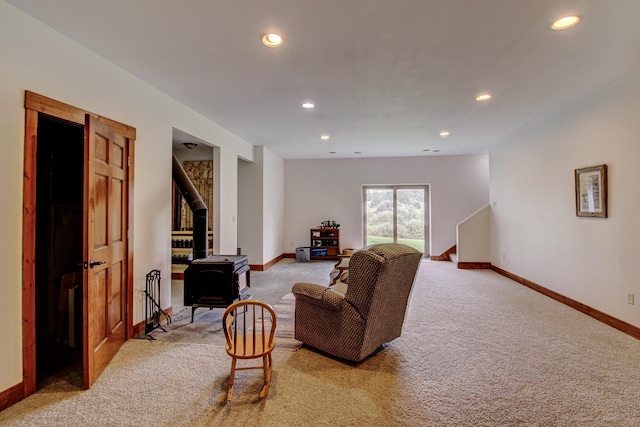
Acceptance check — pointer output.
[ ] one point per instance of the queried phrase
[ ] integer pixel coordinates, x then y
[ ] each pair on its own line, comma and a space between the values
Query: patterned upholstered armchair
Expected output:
370, 313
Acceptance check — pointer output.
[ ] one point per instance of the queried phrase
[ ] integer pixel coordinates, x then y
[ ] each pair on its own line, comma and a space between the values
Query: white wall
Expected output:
535, 231
474, 237
320, 190
272, 206
36, 58
250, 207
261, 206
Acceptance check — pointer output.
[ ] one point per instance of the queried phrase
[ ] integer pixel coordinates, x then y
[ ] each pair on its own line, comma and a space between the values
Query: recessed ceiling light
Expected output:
308, 105
426, 149
436, 151
324, 137
483, 97
357, 152
272, 40
332, 152
445, 133
565, 22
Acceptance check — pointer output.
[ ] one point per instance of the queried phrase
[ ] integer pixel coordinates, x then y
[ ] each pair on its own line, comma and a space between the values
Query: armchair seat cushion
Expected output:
340, 287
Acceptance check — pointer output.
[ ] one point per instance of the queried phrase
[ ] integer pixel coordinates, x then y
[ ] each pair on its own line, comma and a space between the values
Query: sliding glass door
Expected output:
397, 214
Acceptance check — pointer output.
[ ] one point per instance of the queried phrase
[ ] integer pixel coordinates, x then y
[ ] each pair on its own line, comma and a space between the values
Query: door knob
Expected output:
93, 263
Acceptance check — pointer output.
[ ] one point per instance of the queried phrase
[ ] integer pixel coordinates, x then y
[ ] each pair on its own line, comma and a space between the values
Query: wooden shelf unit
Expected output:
325, 239
181, 249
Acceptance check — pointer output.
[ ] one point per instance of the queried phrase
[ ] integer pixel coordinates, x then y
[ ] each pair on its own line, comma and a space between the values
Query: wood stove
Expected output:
216, 281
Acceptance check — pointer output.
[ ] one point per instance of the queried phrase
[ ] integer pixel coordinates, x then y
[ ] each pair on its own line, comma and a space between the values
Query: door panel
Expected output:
116, 204
410, 214
97, 305
105, 247
115, 310
100, 212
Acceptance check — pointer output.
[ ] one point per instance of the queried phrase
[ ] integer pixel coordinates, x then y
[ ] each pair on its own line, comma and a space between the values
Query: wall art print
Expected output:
591, 191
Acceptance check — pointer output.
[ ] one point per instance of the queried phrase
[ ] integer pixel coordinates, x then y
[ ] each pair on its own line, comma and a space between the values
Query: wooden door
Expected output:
105, 246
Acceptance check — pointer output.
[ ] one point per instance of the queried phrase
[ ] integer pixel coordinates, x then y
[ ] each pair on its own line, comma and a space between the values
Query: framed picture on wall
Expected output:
591, 192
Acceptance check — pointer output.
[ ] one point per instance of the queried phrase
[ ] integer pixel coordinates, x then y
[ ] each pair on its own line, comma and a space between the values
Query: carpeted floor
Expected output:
477, 350
207, 327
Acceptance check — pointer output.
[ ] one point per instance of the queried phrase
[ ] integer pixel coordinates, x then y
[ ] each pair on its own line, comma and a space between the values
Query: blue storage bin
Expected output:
318, 251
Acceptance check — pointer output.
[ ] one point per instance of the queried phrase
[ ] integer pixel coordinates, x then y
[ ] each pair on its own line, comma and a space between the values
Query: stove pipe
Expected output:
198, 207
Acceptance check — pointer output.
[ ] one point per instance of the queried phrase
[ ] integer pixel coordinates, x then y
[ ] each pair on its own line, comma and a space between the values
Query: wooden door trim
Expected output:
129, 228
29, 253
42, 104
33, 105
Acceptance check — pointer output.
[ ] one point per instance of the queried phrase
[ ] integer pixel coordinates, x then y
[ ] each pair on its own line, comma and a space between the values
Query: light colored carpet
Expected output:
477, 350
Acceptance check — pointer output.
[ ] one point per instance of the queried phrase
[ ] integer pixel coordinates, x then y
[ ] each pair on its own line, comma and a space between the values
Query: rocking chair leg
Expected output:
270, 370
232, 376
266, 362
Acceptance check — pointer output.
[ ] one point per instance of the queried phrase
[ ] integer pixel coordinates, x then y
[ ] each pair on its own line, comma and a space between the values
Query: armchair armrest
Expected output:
318, 295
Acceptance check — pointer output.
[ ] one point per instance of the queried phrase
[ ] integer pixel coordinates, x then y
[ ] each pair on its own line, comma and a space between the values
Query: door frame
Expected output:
35, 104
395, 187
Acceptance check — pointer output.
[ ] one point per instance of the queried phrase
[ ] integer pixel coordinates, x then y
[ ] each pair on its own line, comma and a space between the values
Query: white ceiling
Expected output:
386, 75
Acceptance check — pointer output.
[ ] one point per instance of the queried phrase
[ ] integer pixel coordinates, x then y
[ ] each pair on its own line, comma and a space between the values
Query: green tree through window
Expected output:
404, 224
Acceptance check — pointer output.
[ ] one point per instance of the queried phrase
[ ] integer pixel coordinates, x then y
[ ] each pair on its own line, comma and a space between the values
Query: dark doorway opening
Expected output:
59, 249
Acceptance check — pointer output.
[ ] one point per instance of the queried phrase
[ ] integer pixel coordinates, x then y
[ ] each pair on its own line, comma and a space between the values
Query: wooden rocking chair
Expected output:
249, 328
